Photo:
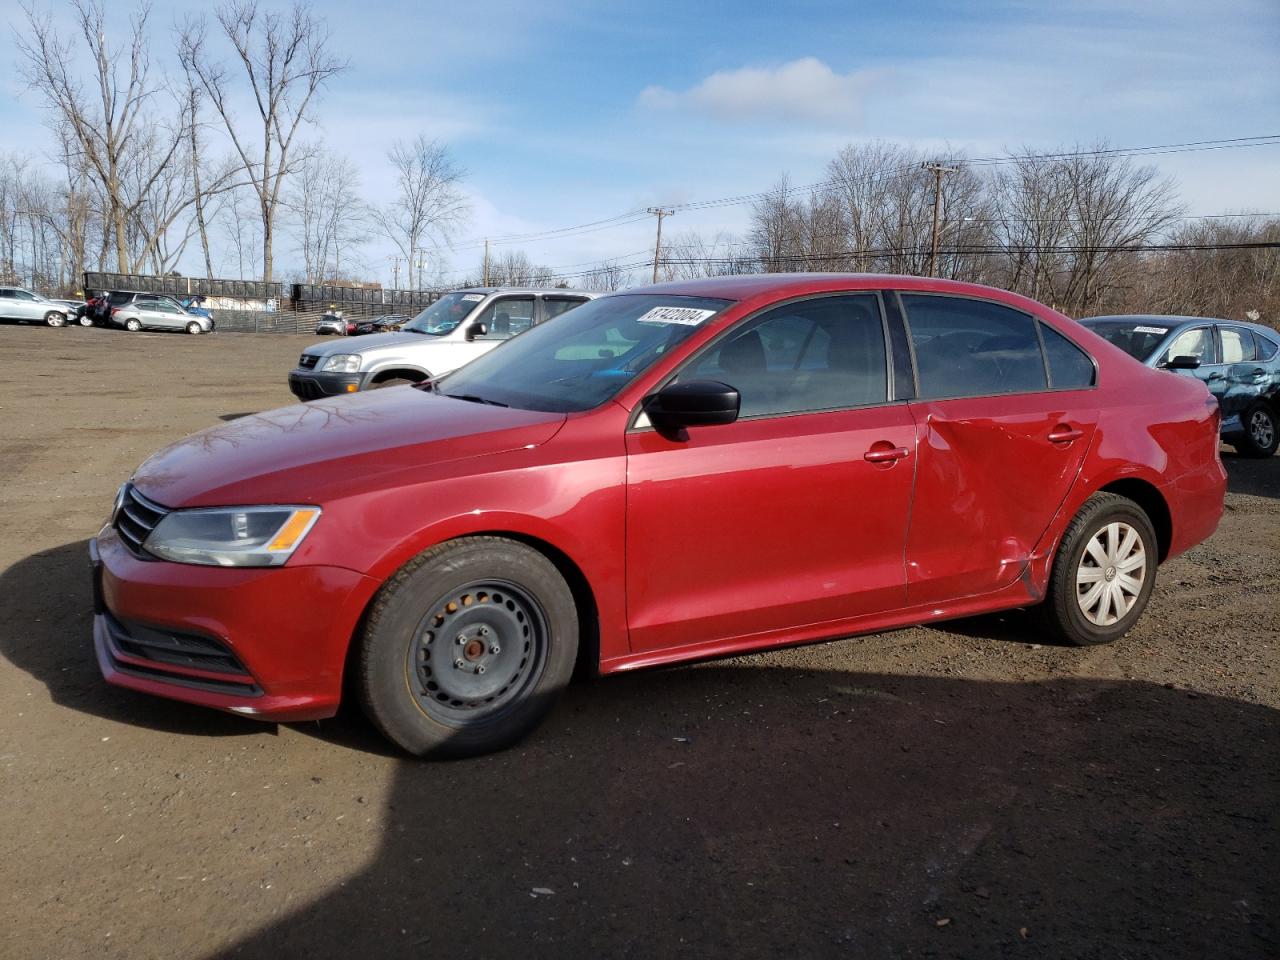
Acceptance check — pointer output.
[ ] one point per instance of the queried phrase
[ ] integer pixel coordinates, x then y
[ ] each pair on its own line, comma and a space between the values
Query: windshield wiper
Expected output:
472, 398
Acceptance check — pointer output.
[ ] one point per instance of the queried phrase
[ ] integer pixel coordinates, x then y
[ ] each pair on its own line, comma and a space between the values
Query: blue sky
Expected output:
568, 112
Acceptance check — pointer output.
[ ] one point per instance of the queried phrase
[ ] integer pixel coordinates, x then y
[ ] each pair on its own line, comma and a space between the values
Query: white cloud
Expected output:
805, 89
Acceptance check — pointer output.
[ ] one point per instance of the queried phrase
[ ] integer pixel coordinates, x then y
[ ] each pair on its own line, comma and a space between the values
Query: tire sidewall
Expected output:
55, 319
393, 629
1080, 629
133, 326
193, 328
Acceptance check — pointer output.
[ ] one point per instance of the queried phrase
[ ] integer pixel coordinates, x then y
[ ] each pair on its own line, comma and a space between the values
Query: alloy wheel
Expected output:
1110, 574
1262, 429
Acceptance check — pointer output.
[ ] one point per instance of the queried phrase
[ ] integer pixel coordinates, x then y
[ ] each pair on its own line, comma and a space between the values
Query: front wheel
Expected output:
55, 319
467, 647
85, 320
1260, 434
132, 325
193, 327
1103, 573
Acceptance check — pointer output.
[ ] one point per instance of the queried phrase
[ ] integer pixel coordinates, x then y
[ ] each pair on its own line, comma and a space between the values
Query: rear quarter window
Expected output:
1070, 368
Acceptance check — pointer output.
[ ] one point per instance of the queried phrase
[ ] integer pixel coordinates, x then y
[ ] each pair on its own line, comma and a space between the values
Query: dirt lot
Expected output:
962, 791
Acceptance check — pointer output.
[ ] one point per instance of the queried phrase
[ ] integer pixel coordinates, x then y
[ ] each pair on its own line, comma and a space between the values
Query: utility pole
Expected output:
486, 263
395, 273
658, 212
937, 169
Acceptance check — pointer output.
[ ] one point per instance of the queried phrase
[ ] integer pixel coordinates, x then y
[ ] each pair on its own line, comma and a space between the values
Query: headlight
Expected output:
232, 536
342, 363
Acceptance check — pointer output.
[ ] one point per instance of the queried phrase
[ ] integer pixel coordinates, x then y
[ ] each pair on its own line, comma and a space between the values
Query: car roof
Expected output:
1173, 321
545, 291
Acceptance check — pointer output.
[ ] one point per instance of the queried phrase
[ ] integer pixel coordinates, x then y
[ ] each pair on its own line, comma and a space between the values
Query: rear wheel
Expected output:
193, 327
1103, 573
468, 647
55, 319
132, 325
1261, 436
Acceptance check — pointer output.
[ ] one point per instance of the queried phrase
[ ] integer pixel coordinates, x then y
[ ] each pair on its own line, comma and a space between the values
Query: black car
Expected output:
1239, 362
385, 324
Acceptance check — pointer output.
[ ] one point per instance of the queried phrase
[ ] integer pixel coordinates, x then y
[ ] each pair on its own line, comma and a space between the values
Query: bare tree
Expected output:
105, 126
286, 61
328, 214
428, 206
607, 277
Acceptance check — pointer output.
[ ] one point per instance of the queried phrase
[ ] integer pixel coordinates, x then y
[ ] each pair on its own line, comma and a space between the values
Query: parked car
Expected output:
1239, 362
333, 324
104, 305
458, 327
147, 314
74, 308
195, 304
673, 473
19, 304
385, 324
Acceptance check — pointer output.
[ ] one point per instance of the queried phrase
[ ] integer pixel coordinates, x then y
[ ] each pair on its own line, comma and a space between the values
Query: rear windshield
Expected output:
1137, 338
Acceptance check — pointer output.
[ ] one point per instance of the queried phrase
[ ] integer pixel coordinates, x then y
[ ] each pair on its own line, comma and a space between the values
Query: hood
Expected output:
371, 341
312, 453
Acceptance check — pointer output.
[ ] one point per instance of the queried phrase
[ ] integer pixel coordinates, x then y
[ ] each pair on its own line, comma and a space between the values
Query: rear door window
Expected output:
1237, 344
554, 306
1070, 368
973, 348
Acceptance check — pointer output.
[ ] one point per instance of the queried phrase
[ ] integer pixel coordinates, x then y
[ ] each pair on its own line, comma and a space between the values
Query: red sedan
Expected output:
675, 473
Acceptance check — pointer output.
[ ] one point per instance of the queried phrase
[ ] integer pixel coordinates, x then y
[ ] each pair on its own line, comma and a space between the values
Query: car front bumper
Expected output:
268, 643
314, 385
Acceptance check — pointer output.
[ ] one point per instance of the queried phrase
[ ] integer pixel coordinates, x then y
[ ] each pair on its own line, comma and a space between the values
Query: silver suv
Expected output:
19, 304
454, 330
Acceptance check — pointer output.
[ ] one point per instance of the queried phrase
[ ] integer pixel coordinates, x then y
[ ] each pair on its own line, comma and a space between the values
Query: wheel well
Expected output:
584, 599
417, 376
1153, 505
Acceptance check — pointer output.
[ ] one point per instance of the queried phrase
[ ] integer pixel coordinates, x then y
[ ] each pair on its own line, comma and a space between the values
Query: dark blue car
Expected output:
1239, 362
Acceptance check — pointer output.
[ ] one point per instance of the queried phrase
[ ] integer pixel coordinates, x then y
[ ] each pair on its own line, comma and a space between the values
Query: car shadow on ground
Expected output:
748, 810
1252, 476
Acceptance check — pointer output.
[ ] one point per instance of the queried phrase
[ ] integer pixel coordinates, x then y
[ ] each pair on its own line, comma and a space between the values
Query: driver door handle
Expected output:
878, 454
1065, 433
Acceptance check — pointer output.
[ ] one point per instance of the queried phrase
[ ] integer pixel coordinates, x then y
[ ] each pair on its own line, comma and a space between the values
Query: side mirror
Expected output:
1182, 363
698, 403
477, 330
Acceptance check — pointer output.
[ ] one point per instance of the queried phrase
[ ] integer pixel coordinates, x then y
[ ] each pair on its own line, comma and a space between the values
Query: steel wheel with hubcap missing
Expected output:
1111, 573
1103, 572
477, 651
466, 648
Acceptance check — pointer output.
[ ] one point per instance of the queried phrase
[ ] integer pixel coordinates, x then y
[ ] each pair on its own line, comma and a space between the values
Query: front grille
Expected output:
307, 360
135, 520
181, 658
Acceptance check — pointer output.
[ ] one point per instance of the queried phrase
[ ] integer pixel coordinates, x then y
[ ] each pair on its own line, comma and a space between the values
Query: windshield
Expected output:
582, 358
1138, 338
445, 314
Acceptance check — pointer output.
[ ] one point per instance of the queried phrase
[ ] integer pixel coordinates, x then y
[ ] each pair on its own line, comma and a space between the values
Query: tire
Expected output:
193, 328
1067, 612
133, 325
55, 319
459, 611
392, 382
1261, 433
85, 320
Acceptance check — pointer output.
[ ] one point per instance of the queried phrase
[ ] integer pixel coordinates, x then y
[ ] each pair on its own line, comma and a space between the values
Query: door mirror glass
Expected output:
697, 403
1183, 362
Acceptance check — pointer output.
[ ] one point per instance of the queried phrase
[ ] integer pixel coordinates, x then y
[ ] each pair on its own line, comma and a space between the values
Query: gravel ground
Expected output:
960, 791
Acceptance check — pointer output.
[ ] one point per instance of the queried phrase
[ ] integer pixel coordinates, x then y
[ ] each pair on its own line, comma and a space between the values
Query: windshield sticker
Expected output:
685, 316
472, 297
1150, 329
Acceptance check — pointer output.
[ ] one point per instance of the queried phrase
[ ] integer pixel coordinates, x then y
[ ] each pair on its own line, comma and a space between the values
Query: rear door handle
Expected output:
1214, 377
886, 454
1065, 433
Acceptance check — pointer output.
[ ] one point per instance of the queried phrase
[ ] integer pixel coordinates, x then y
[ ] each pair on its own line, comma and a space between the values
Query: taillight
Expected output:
114, 311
